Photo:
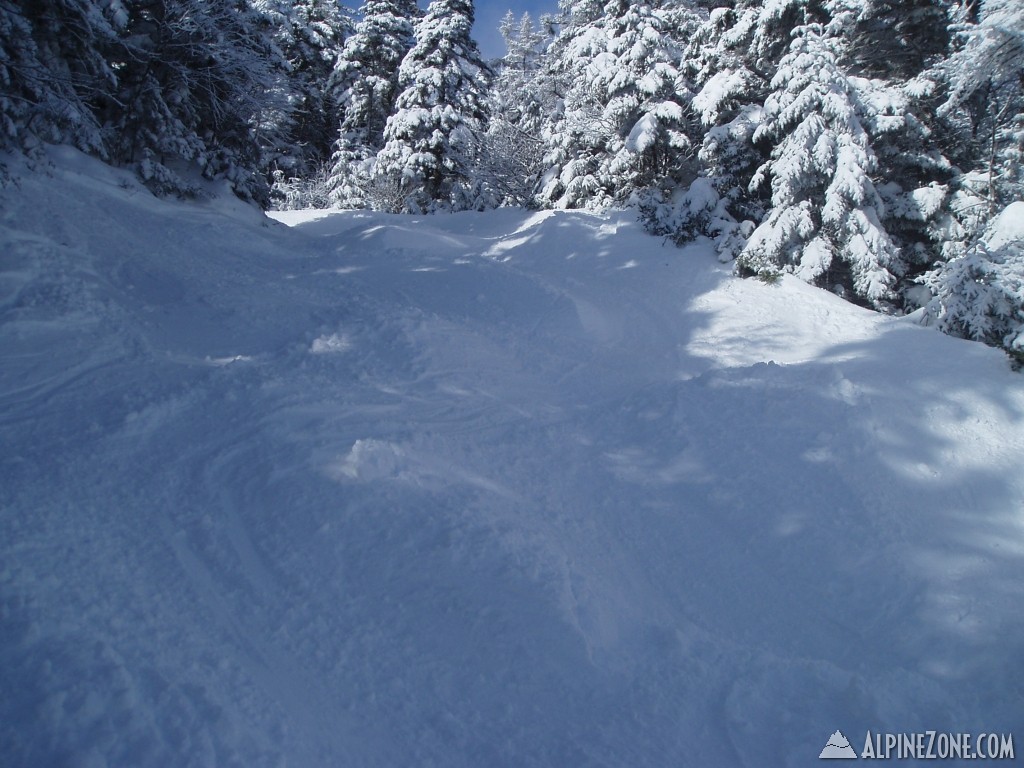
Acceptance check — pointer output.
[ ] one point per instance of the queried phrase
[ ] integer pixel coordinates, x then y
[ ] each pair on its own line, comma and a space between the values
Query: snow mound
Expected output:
1007, 228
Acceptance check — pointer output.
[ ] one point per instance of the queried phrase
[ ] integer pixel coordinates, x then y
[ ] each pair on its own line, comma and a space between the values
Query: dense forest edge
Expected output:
874, 148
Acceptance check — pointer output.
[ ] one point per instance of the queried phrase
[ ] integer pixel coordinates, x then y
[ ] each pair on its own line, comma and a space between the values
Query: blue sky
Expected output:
488, 16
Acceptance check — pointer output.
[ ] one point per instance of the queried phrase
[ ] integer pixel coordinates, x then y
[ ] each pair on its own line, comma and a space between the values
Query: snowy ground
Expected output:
506, 489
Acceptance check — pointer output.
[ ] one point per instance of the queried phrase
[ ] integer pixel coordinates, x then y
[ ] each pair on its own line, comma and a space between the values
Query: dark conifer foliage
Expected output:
310, 35
173, 88
55, 63
193, 82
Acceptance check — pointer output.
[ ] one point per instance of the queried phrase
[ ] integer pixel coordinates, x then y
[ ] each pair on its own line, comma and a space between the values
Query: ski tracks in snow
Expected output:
504, 489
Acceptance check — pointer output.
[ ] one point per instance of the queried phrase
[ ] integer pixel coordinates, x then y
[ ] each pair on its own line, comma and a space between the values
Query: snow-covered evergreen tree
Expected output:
978, 290
621, 123
192, 81
912, 173
158, 85
728, 65
54, 65
365, 85
424, 164
521, 91
898, 39
833, 171
891, 53
825, 221
986, 78
508, 157
980, 295
310, 35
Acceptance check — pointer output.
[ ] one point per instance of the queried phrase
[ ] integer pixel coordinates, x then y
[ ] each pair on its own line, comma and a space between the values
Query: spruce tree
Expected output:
980, 295
725, 71
898, 39
892, 51
425, 163
819, 148
365, 85
986, 99
621, 126
508, 157
310, 35
193, 81
978, 291
167, 87
54, 67
825, 221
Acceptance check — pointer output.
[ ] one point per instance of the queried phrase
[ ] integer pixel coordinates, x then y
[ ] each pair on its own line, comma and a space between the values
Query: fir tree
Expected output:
822, 152
424, 163
193, 81
621, 125
508, 157
727, 69
980, 295
365, 86
898, 39
978, 290
891, 52
54, 66
722, 72
874, 203
310, 35
986, 79
168, 87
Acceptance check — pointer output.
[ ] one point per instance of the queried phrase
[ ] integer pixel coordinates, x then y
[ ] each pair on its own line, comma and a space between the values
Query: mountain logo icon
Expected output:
838, 748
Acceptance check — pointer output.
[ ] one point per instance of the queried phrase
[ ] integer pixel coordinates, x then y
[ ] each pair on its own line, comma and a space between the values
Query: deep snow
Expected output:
504, 489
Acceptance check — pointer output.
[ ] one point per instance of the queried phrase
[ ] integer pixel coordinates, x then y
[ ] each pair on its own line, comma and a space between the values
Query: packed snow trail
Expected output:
509, 489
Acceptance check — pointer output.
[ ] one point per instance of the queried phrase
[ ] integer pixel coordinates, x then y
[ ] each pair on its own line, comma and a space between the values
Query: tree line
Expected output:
867, 146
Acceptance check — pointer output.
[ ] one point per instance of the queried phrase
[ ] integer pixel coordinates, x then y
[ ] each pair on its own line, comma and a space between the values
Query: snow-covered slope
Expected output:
505, 489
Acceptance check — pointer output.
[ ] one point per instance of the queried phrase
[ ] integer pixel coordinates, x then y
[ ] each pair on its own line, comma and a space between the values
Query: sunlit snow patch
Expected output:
370, 460
334, 344
227, 360
1008, 226
498, 250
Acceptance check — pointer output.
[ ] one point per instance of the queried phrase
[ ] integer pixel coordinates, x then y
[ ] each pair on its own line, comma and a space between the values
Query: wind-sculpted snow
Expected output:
504, 489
